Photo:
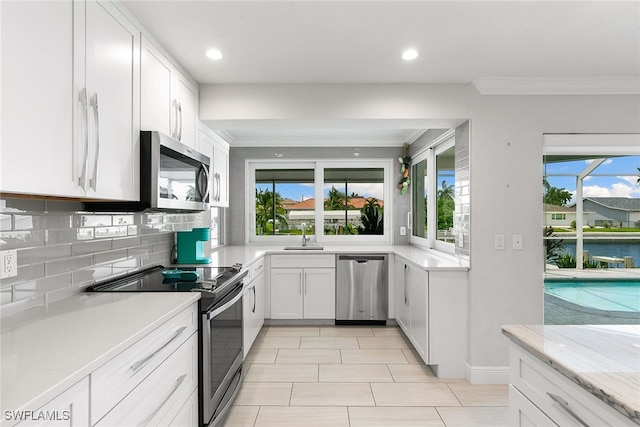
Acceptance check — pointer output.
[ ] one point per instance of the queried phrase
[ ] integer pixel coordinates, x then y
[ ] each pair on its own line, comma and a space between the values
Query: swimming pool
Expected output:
601, 294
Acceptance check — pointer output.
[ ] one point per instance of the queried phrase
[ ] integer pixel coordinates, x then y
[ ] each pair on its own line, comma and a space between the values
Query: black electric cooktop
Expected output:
214, 282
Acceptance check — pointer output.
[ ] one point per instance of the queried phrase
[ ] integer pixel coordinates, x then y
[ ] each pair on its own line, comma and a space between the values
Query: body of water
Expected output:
619, 249
610, 295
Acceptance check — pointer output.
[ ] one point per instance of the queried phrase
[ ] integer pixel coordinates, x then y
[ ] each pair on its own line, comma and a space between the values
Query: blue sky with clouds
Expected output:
616, 177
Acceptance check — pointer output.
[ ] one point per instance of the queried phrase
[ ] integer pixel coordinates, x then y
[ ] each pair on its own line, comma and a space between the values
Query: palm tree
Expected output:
372, 218
335, 201
446, 206
269, 211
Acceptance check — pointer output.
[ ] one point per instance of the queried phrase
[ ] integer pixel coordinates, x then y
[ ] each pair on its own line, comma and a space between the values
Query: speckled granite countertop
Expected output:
602, 359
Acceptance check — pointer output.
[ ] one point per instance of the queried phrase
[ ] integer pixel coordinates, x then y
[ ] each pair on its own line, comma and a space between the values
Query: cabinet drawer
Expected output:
523, 413
257, 267
254, 269
546, 388
116, 378
161, 396
303, 261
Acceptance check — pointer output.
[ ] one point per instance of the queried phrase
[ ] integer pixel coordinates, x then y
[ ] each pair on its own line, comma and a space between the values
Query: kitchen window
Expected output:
433, 195
334, 201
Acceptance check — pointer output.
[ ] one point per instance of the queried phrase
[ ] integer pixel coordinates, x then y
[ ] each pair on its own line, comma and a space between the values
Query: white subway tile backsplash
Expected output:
61, 250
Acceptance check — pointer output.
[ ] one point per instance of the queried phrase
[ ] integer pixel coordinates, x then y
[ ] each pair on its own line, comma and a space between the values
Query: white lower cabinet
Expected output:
306, 291
253, 305
541, 396
69, 408
431, 309
159, 398
151, 381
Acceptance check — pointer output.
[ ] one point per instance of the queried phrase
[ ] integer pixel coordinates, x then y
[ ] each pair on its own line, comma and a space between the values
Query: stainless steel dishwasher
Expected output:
361, 290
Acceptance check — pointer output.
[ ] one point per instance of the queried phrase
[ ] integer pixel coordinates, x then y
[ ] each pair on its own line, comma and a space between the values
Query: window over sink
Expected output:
334, 201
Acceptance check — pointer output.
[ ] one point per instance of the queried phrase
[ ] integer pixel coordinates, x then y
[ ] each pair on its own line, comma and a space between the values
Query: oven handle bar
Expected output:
235, 299
140, 363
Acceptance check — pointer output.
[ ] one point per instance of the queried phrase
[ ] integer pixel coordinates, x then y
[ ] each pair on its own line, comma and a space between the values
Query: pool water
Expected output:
618, 295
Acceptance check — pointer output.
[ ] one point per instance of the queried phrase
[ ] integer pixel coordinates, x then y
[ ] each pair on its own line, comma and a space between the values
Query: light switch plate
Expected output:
403, 231
517, 242
499, 241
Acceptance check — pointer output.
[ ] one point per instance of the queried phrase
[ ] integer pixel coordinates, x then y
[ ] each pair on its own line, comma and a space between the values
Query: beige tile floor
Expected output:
354, 377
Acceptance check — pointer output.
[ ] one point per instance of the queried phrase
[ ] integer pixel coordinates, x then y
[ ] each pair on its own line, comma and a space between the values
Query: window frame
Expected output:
429, 153
251, 165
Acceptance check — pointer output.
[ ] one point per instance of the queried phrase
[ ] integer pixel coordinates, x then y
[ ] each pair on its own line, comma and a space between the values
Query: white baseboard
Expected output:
487, 374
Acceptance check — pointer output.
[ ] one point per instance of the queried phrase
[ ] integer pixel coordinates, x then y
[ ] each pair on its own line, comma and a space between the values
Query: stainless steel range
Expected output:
220, 327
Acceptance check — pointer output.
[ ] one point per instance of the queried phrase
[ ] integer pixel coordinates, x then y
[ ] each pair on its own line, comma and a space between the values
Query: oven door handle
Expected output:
235, 299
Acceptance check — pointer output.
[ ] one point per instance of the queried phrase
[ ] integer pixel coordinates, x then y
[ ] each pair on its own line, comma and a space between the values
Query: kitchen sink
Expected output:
303, 248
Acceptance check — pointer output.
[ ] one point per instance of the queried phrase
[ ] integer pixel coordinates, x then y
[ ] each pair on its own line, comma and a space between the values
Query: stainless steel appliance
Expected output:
220, 327
173, 176
362, 289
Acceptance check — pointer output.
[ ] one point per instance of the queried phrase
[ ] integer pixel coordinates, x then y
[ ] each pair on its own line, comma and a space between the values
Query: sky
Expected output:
616, 177
300, 192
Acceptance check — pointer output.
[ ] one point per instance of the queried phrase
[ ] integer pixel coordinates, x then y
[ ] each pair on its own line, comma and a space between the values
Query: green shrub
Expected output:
573, 224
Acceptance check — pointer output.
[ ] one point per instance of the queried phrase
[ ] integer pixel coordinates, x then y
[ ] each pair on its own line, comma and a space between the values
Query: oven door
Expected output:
222, 356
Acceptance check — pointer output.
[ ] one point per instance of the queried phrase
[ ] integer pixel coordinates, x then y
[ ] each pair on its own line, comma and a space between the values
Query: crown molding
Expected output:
558, 86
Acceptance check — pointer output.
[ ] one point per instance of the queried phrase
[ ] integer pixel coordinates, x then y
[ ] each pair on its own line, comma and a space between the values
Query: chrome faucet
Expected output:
305, 239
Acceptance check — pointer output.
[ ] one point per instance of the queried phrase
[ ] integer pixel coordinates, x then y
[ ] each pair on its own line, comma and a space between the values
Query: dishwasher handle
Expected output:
362, 258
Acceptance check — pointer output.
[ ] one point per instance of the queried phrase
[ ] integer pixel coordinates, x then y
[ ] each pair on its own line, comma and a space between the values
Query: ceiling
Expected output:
298, 41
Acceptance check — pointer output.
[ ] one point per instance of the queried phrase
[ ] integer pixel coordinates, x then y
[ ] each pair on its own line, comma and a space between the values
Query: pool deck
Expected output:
560, 312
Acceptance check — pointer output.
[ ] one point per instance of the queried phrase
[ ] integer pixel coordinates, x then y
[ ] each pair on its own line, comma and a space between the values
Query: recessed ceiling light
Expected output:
409, 54
214, 54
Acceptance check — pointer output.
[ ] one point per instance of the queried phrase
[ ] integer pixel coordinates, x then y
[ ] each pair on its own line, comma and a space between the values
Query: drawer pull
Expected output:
140, 363
565, 406
175, 388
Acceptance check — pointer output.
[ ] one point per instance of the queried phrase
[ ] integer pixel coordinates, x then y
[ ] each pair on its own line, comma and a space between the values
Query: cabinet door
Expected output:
258, 317
155, 89
319, 293
248, 315
70, 408
286, 293
418, 286
220, 174
402, 302
36, 114
185, 95
112, 82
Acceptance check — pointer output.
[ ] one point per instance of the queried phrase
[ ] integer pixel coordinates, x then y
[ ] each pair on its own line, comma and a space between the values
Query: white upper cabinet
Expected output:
169, 99
36, 140
212, 145
107, 99
70, 100
156, 109
185, 101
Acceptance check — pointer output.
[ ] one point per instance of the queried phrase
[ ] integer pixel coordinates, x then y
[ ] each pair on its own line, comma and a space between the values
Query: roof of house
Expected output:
555, 208
619, 203
354, 202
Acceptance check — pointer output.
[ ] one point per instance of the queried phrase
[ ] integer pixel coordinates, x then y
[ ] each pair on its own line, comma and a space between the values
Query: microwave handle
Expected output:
200, 182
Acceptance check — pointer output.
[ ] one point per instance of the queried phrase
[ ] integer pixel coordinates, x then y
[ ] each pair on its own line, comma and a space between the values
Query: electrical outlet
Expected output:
8, 264
403, 231
517, 242
499, 241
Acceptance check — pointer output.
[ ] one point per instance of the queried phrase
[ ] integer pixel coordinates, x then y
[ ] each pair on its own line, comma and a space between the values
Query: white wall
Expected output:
505, 287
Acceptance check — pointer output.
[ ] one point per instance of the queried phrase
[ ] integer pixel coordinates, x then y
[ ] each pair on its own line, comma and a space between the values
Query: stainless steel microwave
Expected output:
173, 177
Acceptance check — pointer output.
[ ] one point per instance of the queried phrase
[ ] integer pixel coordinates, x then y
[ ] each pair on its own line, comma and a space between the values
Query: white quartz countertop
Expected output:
428, 260
47, 349
603, 359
